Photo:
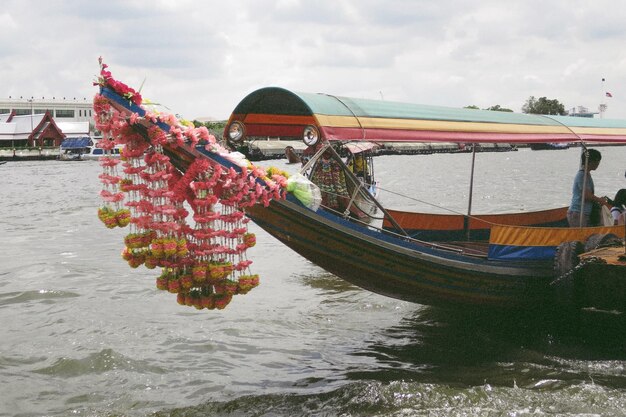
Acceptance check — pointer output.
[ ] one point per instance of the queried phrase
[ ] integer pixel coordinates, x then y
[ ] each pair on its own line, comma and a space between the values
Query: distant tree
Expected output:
543, 106
497, 107
215, 128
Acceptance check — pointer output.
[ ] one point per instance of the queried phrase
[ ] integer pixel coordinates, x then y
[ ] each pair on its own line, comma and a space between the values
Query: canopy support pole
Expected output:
466, 219
328, 147
356, 181
314, 158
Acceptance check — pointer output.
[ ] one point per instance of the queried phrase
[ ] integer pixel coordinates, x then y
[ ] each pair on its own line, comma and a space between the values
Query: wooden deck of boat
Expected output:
614, 255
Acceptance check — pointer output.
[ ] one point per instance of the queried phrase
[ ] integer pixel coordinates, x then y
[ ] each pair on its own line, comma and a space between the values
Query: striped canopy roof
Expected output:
276, 112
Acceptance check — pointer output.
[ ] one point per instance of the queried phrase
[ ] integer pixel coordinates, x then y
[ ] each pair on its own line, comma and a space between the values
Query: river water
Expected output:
82, 334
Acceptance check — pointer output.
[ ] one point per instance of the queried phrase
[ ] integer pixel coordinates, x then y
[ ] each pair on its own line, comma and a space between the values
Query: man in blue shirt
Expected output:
583, 190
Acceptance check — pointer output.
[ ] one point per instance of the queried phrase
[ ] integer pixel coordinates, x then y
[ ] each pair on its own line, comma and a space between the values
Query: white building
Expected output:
62, 109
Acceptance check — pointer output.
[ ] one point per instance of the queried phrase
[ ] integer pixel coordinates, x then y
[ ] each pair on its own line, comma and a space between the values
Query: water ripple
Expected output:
403, 399
46, 296
96, 363
82, 334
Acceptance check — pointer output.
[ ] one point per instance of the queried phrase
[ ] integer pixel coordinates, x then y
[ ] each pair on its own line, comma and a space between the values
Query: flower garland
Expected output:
204, 264
112, 214
106, 79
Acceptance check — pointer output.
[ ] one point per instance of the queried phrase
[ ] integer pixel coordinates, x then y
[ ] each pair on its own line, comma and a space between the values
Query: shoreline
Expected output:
270, 150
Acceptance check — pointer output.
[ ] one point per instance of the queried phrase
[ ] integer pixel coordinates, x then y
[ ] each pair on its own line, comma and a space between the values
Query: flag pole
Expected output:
602, 102
605, 93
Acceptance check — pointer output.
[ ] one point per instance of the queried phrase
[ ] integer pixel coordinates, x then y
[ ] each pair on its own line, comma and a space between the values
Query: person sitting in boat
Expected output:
291, 155
619, 207
330, 178
358, 165
590, 160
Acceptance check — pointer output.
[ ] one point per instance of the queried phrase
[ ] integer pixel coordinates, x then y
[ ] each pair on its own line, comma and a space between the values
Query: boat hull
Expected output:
392, 267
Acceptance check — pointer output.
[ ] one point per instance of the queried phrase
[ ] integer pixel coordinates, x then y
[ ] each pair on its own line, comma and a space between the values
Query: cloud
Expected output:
201, 58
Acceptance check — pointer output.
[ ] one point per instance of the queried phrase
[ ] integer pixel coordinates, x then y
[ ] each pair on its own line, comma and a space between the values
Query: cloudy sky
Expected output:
200, 58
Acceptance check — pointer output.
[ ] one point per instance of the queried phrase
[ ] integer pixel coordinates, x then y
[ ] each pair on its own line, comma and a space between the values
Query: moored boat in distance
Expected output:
96, 152
548, 146
83, 149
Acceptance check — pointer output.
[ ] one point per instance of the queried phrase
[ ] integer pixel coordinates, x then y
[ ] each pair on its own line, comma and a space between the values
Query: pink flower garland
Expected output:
120, 88
205, 265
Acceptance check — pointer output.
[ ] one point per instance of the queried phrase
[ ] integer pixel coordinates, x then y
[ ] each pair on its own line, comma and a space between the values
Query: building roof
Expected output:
74, 129
20, 127
26, 123
7, 129
28, 126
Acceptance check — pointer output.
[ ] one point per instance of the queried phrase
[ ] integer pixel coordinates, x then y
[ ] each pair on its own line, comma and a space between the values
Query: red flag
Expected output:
609, 94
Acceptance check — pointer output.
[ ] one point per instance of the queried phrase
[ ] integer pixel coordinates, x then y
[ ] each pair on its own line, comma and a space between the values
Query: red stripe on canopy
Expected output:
388, 135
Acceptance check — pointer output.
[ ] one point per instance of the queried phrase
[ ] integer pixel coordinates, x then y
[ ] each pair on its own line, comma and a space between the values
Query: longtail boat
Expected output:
504, 261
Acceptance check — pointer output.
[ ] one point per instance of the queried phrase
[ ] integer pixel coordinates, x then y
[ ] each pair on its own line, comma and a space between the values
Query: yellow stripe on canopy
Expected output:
437, 125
